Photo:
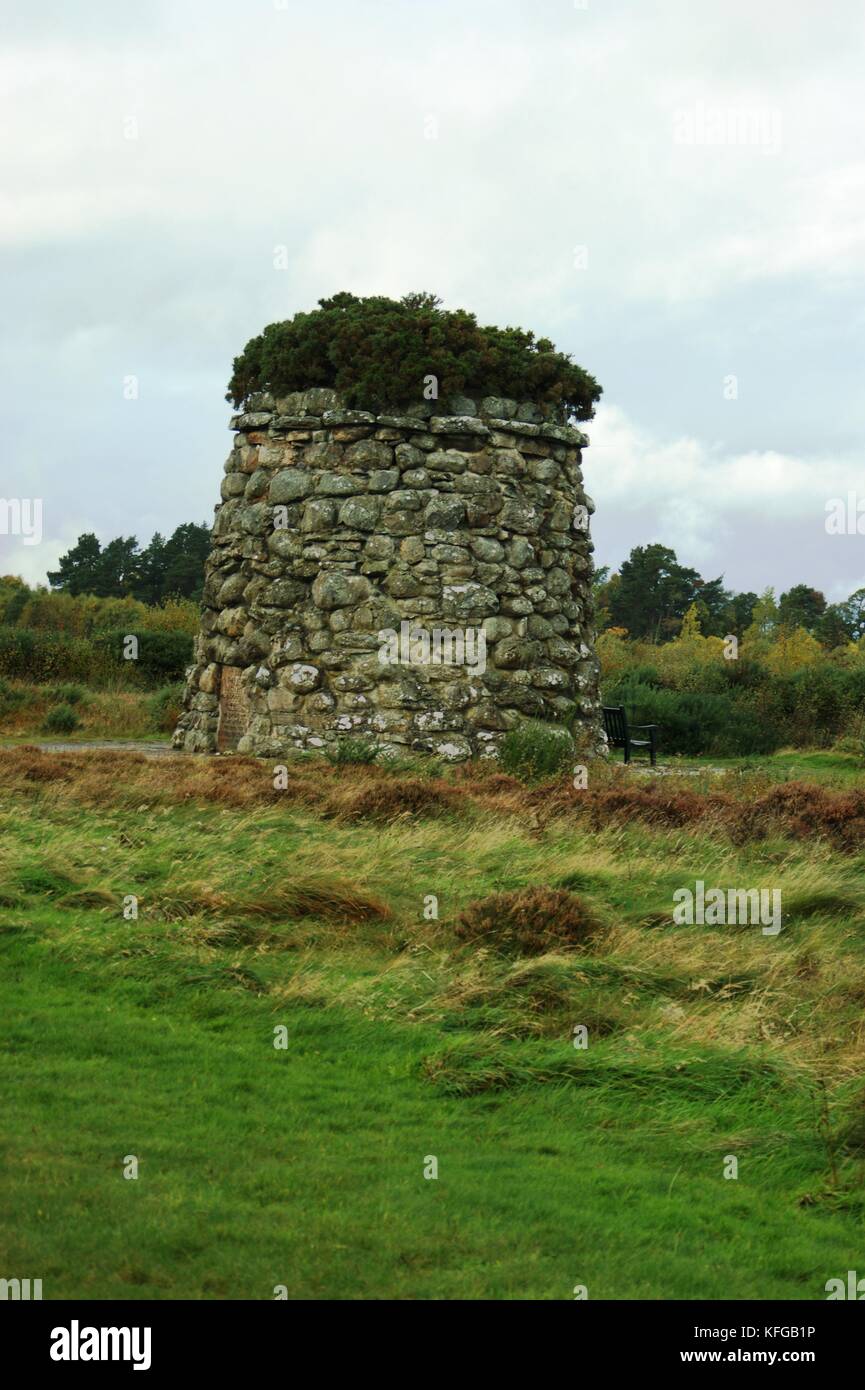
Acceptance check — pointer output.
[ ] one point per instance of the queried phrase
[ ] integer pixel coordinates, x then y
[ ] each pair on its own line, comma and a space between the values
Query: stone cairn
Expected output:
340, 526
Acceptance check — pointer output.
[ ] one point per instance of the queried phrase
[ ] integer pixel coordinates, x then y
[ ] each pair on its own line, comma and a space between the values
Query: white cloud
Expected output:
629, 465
698, 498
554, 130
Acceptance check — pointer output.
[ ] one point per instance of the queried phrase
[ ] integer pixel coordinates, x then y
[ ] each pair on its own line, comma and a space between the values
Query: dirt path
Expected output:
150, 750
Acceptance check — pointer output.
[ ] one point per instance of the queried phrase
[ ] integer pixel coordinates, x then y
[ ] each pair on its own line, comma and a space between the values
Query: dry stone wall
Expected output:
421, 579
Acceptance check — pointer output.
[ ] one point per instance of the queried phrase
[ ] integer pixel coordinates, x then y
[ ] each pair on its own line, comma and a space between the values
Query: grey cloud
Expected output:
304, 128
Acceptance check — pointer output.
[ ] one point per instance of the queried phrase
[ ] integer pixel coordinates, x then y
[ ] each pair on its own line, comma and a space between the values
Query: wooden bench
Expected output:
620, 732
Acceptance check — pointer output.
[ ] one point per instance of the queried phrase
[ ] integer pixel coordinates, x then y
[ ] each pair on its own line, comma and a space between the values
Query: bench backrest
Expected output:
616, 724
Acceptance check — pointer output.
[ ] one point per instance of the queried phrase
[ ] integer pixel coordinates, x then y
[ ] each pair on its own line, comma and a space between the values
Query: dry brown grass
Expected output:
803, 809
385, 798
104, 714
325, 899
358, 938
528, 922
356, 793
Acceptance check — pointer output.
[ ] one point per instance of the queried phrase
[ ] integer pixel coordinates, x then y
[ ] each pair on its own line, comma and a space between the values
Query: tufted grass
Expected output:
304, 1166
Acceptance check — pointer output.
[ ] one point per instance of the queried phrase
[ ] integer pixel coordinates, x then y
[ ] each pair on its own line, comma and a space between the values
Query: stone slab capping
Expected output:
338, 525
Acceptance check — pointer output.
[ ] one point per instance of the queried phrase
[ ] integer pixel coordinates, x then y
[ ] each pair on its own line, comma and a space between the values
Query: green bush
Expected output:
534, 750
164, 708
14, 595
645, 675
738, 708
66, 694
42, 656
62, 719
743, 672
693, 722
352, 750
11, 698
376, 352
162, 656
811, 707
45, 657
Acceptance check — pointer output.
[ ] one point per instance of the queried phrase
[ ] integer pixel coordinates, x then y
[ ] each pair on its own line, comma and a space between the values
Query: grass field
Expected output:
409, 1038
27, 712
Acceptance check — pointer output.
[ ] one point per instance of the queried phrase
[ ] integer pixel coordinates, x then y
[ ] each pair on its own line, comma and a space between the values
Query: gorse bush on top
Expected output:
377, 351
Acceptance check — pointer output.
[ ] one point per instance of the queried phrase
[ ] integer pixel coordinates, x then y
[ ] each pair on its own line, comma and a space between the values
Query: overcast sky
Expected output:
673, 191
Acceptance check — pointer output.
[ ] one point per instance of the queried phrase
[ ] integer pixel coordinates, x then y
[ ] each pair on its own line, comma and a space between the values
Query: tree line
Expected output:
164, 569
649, 595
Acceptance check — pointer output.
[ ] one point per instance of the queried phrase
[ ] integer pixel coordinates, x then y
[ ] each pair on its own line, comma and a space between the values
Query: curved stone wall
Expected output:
423, 579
